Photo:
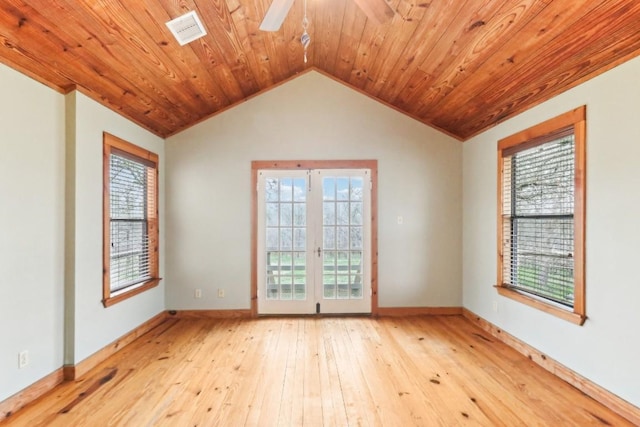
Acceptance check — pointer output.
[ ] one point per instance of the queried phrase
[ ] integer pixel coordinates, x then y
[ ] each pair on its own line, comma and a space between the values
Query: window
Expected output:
541, 216
130, 220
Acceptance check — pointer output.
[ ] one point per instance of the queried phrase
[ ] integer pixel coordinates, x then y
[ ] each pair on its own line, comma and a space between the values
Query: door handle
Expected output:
319, 251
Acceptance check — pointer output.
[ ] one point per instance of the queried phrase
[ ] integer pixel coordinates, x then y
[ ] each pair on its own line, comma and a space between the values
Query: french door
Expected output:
313, 241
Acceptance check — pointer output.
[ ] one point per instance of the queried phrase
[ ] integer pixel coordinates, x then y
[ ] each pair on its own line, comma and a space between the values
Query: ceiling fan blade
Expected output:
275, 15
378, 11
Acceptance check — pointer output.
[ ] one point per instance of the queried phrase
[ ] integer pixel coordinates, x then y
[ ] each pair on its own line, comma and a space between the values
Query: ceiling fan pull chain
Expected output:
305, 39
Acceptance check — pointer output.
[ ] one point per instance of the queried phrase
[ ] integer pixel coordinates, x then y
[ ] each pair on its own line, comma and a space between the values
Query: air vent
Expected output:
187, 28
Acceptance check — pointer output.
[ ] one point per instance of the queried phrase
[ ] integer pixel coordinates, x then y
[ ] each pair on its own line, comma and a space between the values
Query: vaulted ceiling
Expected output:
460, 66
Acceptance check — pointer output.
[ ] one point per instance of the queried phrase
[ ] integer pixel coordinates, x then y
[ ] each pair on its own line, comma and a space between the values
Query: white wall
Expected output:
606, 348
312, 117
32, 121
94, 326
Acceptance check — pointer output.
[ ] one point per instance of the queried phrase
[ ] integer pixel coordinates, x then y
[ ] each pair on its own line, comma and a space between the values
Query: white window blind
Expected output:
130, 202
538, 219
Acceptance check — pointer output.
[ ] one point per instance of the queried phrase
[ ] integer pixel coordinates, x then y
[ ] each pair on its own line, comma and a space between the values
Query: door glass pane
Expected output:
272, 214
343, 237
286, 214
300, 190
299, 239
342, 213
271, 189
299, 214
286, 238
342, 230
342, 188
329, 239
272, 238
286, 190
329, 213
300, 275
356, 189
356, 213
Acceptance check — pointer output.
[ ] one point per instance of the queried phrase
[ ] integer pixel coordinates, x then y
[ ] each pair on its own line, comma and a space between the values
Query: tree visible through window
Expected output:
130, 220
542, 216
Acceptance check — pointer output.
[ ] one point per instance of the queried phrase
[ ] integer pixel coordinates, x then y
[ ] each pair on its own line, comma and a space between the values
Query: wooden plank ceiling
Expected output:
457, 65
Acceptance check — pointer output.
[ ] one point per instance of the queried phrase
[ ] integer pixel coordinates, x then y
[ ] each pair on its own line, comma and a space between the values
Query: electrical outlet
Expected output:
23, 359
220, 293
198, 293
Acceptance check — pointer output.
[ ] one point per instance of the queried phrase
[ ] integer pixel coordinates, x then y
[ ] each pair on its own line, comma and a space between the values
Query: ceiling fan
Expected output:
378, 11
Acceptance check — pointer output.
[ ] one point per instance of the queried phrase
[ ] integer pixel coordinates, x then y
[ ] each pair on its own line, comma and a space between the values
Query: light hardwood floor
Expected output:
427, 371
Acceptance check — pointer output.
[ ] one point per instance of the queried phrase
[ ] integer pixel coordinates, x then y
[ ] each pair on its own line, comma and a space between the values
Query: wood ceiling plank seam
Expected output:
87, 63
320, 51
353, 25
276, 55
368, 50
429, 30
227, 40
132, 29
336, 21
201, 78
290, 46
312, 12
195, 78
328, 33
573, 73
411, 14
246, 26
17, 58
252, 42
558, 56
448, 47
492, 35
42, 41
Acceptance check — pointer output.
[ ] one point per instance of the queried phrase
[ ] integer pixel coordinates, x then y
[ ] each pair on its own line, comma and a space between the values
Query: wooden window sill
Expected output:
107, 302
569, 316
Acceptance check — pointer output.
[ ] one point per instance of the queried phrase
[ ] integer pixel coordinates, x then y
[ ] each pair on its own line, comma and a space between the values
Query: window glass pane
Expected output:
538, 232
542, 258
544, 179
129, 253
128, 188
